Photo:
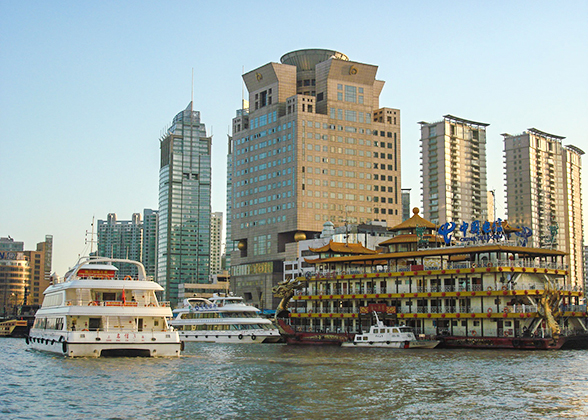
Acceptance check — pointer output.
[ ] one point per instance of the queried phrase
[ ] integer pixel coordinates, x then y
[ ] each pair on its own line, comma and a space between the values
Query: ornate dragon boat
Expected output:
490, 292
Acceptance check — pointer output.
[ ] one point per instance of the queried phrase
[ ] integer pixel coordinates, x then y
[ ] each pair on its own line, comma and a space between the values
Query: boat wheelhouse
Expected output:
382, 336
487, 293
223, 319
94, 313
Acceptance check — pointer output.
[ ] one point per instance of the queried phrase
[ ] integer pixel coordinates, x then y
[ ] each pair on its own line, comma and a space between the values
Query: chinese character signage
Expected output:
481, 232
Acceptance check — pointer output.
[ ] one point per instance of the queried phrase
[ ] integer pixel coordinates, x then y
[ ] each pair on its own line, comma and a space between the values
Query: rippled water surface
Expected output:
276, 381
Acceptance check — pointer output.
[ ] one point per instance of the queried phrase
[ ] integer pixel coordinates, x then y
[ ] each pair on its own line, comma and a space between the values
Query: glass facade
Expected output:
184, 204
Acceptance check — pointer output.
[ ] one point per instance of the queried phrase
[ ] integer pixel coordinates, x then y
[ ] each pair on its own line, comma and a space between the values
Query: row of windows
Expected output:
264, 199
263, 177
263, 188
264, 166
279, 128
261, 222
264, 155
349, 197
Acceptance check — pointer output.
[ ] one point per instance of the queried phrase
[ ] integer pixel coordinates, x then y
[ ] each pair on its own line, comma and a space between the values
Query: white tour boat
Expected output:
223, 320
93, 313
379, 335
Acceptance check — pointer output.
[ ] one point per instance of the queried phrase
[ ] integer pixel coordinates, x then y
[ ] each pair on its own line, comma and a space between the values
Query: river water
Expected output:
276, 381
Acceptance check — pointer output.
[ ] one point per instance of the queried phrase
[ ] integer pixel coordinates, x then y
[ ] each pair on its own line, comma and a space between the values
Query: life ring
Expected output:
489, 265
506, 310
504, 288
128, 278
240, 336
474, 333
93, 303
474, 266
489, 310
489, 288
151, 304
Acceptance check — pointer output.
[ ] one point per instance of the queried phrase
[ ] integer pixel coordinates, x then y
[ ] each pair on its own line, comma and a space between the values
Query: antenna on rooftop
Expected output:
242, 89
192, 94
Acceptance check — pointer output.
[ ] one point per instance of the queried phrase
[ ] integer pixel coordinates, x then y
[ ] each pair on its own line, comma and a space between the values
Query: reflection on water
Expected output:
284, 382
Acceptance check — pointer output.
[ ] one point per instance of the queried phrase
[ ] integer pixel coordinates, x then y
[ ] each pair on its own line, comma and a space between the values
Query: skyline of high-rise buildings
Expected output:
183, 254
311, 145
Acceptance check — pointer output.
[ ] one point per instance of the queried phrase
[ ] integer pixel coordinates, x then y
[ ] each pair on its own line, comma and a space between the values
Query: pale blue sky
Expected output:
86, 88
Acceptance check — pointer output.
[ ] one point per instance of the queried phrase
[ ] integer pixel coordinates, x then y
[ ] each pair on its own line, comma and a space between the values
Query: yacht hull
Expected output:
233, 337
98, 344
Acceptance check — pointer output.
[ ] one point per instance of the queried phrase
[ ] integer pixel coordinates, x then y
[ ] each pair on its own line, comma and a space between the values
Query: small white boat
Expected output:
379, 335
93, 313
221, 319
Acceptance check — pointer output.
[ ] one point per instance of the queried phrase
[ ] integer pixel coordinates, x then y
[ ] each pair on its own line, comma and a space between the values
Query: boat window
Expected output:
108, 296
405, 330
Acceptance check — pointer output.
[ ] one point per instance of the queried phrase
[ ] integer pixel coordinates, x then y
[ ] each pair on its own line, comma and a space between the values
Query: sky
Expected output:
87, 89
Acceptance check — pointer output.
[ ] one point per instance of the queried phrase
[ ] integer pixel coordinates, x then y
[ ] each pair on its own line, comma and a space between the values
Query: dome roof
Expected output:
308, 59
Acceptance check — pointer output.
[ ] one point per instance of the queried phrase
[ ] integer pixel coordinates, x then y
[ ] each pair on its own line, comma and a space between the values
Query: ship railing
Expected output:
127, 303
448, 288
529, 264
574, 308
131, 328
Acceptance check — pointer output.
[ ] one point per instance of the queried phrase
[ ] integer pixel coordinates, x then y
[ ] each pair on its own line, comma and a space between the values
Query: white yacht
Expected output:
94, 313
379, 335
223, 320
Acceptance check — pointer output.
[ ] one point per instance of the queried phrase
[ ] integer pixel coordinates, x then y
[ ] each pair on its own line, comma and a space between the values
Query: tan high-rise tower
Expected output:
453, 165
314, 146
543, 192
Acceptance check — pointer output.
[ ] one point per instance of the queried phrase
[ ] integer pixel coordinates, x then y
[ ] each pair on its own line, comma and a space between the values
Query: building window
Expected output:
350, 94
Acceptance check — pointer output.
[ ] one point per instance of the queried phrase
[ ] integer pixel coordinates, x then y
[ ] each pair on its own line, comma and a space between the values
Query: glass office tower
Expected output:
184, 204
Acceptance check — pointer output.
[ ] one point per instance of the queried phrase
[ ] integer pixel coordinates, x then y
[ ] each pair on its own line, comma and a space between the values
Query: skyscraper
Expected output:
121, 239
183, 254
543, 192
453, 170
406, 210
149, 252
229, 244
216, 243
314, 146
40, 270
